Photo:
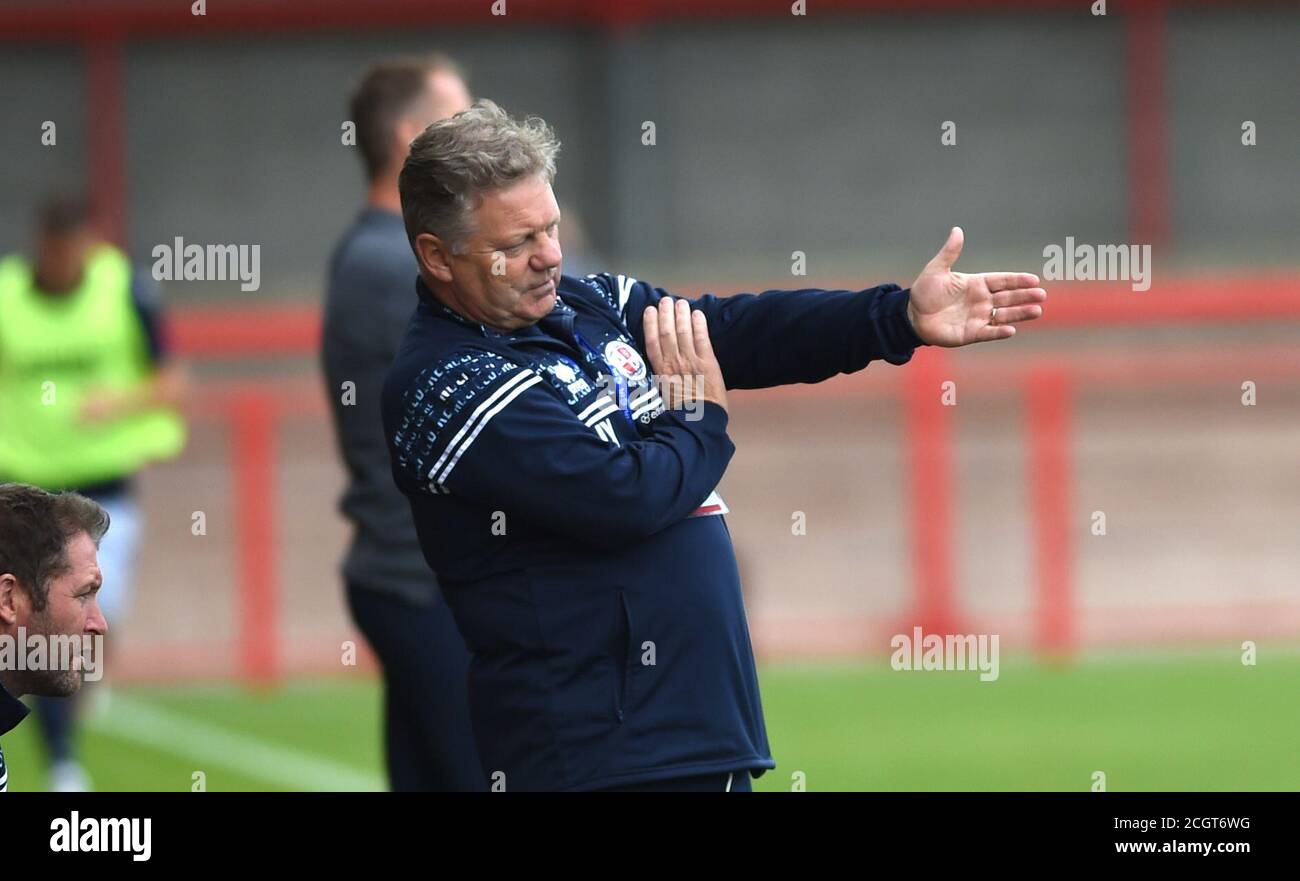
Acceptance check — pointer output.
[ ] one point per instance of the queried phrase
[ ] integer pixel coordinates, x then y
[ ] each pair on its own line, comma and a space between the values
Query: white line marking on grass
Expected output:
206, 744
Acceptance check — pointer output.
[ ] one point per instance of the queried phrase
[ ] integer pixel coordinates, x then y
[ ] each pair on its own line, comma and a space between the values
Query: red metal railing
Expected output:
254, 409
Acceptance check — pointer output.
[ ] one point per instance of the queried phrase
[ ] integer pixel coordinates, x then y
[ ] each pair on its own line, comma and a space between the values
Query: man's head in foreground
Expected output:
481, 215
395, 101
49, 580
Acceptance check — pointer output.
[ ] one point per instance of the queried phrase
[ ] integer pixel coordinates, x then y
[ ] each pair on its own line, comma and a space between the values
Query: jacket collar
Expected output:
12, 711
561, 313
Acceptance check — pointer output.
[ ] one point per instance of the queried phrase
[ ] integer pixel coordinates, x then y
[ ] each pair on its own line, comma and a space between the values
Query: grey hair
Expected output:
454, 160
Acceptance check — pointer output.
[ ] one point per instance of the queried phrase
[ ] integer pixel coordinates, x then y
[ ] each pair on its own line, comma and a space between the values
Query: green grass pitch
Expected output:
1177, 721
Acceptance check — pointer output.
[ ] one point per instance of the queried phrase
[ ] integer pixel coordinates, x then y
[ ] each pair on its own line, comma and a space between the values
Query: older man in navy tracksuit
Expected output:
570, 510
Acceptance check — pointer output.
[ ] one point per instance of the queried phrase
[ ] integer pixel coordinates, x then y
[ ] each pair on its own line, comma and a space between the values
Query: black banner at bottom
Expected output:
330, 831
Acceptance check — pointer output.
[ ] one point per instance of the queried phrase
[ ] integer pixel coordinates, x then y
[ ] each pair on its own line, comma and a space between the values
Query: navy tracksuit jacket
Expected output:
564, 511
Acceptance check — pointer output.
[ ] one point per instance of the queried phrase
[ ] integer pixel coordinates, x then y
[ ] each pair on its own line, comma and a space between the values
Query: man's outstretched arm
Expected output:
783, 337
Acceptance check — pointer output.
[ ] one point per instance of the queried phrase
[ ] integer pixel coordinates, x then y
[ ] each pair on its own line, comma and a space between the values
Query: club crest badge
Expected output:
564, 373
625, 360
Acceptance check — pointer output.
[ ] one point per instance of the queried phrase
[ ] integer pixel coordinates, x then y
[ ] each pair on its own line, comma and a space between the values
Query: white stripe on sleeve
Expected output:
523, 374
624, 291
518, 389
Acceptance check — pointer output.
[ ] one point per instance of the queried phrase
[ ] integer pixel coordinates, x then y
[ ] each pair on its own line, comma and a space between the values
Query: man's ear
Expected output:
9, 600
434, 256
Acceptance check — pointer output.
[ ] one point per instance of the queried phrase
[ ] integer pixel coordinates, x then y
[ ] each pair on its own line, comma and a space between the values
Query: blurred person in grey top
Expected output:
393, 597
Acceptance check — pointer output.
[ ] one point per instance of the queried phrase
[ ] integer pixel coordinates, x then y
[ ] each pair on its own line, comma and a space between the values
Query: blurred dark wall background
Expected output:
819, 134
